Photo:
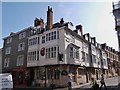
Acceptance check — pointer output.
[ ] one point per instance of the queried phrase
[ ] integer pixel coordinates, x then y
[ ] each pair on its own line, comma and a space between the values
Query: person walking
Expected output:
102, 81
94, 84
69, 83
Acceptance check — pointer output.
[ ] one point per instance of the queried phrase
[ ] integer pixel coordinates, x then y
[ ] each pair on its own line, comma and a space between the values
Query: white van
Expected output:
6, 81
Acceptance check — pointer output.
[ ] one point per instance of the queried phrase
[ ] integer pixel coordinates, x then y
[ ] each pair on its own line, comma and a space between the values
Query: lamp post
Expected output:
45, 75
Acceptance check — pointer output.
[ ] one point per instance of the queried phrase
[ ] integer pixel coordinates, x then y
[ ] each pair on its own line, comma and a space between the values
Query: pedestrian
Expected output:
69, 83
94, 84
52, 85
102, 81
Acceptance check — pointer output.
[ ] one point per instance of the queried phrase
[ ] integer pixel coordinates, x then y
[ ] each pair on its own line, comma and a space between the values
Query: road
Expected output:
111, 83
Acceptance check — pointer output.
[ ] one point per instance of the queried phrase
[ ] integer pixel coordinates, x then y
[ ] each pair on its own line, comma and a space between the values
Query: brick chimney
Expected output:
79, 27
49, 18
39, 22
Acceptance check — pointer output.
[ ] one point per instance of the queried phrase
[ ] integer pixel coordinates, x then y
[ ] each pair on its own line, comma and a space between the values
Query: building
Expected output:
14, 55
116, 13
47, 54
0, 60
113, 62
98, 58
59, 51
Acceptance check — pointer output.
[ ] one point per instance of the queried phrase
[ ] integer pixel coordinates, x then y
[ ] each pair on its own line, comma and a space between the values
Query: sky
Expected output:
95, 17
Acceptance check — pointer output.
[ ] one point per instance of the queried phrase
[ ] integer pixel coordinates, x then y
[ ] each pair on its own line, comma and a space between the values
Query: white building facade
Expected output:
58, 53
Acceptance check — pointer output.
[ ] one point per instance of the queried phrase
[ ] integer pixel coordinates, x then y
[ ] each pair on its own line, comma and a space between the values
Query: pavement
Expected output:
111, 83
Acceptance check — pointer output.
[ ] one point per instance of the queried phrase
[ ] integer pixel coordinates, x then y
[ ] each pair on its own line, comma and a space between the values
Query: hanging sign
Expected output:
42, 51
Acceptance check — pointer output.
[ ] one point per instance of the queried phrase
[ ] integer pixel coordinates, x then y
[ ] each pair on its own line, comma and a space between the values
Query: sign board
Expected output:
6, 80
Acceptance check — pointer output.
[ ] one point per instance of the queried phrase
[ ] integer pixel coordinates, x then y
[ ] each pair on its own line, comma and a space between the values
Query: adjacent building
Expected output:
14, 53
0, 60
113, 62
116, 13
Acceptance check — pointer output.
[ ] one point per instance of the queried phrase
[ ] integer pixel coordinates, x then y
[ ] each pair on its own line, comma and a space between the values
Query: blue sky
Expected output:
96, 17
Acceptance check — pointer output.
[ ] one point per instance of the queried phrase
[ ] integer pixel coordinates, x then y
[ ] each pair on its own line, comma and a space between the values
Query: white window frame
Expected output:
21, 48
22, 35
20, 60
9, 40
54, 52
71, 52
6, 62
8, 50
55, 34
77, 53
51, 52
47, 37
43, 39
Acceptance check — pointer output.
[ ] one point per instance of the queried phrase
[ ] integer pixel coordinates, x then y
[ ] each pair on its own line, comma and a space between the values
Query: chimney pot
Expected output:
61, 21
38, 22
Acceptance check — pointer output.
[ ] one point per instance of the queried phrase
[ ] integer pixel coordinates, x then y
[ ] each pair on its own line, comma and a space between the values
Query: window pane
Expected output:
43, 39
54, 34
71, 52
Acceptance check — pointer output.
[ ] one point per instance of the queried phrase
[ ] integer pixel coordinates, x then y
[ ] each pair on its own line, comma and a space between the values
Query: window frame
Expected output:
20, 60
8, 50
6, 62
9, 40
22, 35
21, 48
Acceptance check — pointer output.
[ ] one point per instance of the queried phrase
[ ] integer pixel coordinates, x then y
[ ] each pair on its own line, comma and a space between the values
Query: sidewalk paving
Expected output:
77, 87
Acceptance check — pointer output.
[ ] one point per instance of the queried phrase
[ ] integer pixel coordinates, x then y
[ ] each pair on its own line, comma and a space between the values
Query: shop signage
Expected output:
42, 51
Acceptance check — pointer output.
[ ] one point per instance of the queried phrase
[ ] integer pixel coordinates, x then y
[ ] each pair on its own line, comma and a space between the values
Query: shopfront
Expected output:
21, 76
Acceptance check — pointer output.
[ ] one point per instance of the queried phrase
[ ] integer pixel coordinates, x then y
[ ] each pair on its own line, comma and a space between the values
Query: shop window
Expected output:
56, 74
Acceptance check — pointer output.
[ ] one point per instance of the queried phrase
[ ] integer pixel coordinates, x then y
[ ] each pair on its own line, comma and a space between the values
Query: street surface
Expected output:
111, 83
